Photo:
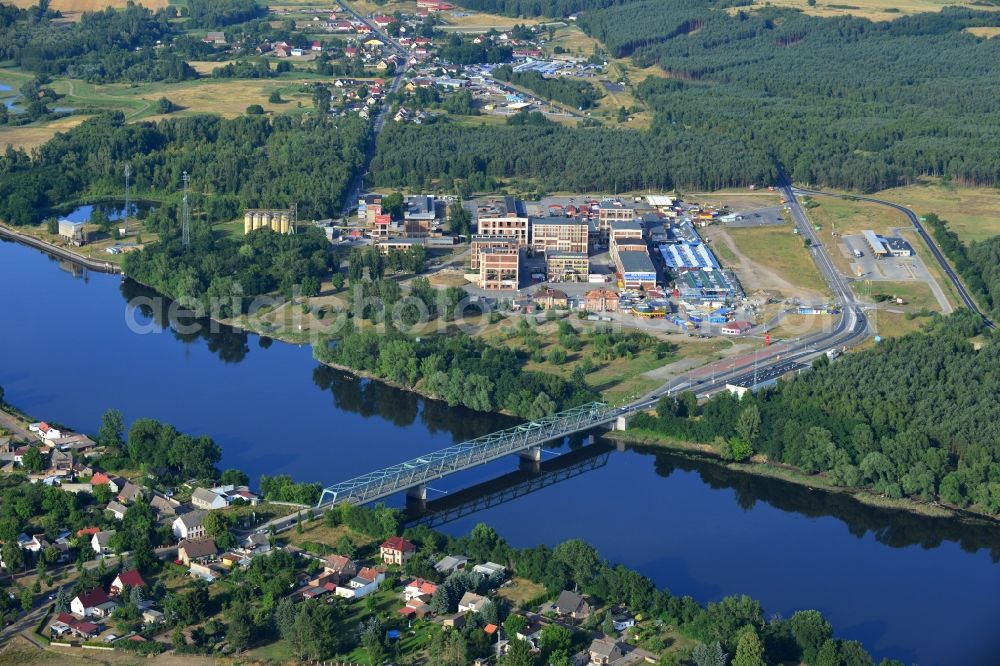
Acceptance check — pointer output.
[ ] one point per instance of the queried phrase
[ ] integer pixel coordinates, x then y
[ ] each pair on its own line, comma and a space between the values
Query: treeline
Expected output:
562, 158
458, 369
104, 46
247, 162
220, 13
220, 276
720, 627
841, 101
977, 264
913, 417
575, 93
554, 8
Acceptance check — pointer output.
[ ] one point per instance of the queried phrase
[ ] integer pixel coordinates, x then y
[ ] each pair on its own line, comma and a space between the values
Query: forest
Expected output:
466, 52
577, 94
220, 276
913, 417
220, 13
842, 102
458, 369
247, 162
978, 264
564, 158
104, 46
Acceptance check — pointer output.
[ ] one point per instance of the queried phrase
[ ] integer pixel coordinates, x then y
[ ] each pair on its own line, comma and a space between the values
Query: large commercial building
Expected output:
499, 268
561, 234
504, 217
613, 210
705, 287
636, 270
567, 266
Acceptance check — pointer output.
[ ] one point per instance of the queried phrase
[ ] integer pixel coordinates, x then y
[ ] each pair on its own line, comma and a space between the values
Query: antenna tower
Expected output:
128, 208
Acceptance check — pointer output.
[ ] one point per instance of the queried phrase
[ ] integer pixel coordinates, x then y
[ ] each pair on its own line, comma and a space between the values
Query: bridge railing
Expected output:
411, 473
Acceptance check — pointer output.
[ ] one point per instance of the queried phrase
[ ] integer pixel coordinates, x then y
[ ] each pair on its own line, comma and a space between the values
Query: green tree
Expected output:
749, 649
459, 219
255, 110
748, 425
518, 654
112, 430
709, 655
241, 627
13, 556
321, 99
33, 459
810, 630
275, 97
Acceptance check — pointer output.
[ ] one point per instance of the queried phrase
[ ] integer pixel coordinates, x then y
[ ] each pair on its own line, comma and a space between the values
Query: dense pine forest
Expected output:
978, 263
243, 162
563, 158
914, 417
842, 102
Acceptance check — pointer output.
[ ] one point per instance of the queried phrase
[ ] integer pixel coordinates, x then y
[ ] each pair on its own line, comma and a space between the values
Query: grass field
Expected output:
520, 591
73, 8
772, 259
843, 217
31, 136
876, 10
972, 212
988, 32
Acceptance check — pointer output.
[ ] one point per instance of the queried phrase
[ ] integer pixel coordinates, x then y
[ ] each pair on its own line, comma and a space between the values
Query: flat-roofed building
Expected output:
613, 210
499, 268
567, 266
72, 231
875, 243
421, 214
560, 234
626, 230
601, 300
480, 243
636, 270
503, 217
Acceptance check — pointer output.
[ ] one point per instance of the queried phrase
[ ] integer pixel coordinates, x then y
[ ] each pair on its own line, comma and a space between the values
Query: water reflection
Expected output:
893, 527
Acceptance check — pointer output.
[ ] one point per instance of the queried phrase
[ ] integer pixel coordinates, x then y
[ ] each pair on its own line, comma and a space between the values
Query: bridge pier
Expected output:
416, 497
533, 454
620, 423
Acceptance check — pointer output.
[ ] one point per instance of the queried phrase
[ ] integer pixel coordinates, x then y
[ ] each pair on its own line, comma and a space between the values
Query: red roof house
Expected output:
132, 578
396, 550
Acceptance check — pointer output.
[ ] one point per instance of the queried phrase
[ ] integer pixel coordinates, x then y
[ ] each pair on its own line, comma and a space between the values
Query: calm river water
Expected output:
919, 590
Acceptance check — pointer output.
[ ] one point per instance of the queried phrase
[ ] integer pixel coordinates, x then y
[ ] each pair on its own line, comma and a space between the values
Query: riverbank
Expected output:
59, 252
758, 466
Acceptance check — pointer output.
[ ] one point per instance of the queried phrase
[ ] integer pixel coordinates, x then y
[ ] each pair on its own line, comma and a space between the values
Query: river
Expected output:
917, 589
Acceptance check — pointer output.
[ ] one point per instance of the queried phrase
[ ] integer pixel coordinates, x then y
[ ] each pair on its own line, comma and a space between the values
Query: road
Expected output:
919, 228
356, 188
13, 425
850, 329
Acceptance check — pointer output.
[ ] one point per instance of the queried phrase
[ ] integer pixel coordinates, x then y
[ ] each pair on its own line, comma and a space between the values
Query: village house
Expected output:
490, 569
116, 509
67, 624
604, 651
551, 299
341, 566
366, 582
418, 587
132, 578
572, 605
257, 544
396, 550
101, 542
95, 603
203, 498
130, 492
471, 602
163, 506
195, 551
190, 525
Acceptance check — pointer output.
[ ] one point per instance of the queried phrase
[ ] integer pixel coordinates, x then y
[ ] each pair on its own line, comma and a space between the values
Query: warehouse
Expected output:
687, 256
898, 247
875, 243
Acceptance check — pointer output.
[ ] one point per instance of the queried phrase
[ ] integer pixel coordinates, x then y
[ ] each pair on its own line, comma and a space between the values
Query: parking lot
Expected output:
759, 218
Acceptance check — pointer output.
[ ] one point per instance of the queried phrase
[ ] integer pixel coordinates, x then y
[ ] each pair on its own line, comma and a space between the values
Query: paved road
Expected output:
935, 251
356, 189
13, 425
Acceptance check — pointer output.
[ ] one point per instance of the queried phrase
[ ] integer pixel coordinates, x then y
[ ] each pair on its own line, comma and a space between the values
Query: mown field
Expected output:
876, 10
972, 212
73, 8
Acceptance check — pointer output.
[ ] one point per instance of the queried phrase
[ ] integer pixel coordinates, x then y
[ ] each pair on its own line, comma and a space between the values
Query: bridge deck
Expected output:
391, 480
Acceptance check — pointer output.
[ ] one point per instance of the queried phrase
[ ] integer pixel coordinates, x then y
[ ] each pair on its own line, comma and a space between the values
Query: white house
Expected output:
87, 605
203, 498
101, 542
471, 602
190, 525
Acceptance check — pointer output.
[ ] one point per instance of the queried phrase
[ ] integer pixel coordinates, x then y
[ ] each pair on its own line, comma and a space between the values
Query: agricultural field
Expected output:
471, 21
972, 212
875, 10
34, 135
73, 8
989, 32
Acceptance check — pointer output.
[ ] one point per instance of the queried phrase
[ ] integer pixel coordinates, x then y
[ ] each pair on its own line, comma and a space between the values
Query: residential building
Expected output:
91, 603
132, 578
396, 550
504, 217
418, 587
190, 525
566, 266
605, 651
257, 544
572, 605
340, 565
101, 542
116, 509
636, 270
47, 433
622, 621
551, 299
163, 506
203, 498
499, 268
562, 234
196, 551
471, 603
601, 300
130, 492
